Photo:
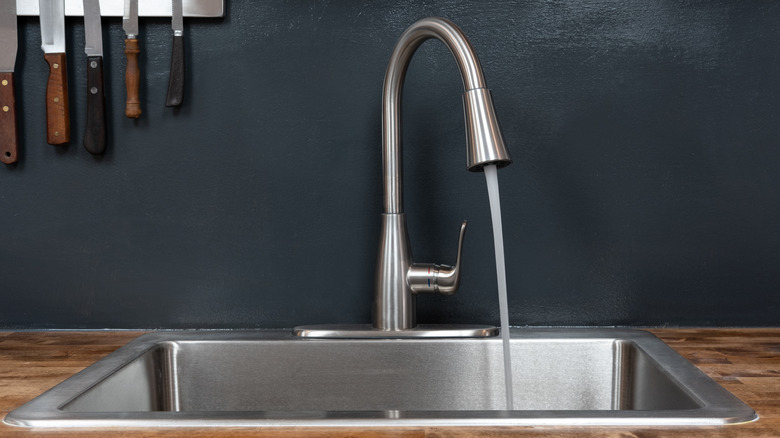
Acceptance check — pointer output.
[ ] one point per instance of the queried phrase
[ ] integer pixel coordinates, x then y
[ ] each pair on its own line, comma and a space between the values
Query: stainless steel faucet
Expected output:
398, 279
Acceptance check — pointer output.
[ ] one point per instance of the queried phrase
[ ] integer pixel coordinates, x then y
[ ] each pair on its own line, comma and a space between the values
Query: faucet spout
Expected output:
484, 143
398, 279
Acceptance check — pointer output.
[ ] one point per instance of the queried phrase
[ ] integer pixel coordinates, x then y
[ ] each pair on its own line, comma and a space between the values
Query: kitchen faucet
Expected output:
398, 279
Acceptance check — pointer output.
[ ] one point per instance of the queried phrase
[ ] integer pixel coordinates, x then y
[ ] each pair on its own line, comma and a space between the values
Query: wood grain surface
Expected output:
9, 134
57, 105
745, 361
132, 79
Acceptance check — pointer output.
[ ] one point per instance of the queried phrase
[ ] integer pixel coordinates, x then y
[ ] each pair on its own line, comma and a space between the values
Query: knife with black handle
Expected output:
95, 132
176, 79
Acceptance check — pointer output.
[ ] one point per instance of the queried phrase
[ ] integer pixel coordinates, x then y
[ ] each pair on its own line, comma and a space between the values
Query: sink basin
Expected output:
271, 378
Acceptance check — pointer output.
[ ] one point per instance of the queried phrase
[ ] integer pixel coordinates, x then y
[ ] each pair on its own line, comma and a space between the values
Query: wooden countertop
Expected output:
745, 361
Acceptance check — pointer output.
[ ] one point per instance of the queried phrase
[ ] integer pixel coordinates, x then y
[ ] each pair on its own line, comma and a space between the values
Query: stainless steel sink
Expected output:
271, 378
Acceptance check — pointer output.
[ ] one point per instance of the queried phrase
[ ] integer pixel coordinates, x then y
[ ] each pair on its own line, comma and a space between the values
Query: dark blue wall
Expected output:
645, 188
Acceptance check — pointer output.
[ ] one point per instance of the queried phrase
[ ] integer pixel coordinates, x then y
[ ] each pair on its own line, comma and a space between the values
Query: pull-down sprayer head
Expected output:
484, 143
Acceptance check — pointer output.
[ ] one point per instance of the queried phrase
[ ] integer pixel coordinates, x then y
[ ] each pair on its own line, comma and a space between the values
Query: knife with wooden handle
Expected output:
53, 45
9, 138
176, 79
132, 71
95, 132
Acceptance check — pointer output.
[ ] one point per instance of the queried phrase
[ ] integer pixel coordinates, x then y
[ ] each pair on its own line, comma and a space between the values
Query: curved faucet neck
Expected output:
471, 73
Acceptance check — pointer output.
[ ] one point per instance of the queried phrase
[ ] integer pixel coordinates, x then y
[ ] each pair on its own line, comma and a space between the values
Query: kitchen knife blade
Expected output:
9, 140
53, 45
176, 78
95, 132
132, 71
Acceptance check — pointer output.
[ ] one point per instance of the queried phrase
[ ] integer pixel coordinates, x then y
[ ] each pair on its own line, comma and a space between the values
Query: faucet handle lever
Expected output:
448, 280
432, 278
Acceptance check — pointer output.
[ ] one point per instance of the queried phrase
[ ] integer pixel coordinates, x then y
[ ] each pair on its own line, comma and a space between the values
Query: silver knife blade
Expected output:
52, 25
92, 30
178, 18
8, 35
130, 18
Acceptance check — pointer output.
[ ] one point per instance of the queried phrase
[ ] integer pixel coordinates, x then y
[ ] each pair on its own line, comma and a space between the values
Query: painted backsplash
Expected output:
645, 188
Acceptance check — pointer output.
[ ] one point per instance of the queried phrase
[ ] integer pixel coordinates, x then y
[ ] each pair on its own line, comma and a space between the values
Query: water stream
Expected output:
491, 176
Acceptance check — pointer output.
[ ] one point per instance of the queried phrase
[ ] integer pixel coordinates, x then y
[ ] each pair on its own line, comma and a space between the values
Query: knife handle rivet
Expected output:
93, 64
56, 100
56, 133
93, 90
6, 109
55, 65
5, 82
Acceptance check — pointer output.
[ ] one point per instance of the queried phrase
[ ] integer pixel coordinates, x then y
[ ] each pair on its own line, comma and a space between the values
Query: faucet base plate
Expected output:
362, 331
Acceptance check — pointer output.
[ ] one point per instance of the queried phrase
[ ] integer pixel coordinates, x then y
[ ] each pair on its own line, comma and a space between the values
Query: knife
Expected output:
95, 132
53, 45
132, 72
9, 140
176, 78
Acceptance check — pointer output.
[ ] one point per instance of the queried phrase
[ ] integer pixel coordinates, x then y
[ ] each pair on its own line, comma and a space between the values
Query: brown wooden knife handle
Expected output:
57, 114
132, 79
9, 140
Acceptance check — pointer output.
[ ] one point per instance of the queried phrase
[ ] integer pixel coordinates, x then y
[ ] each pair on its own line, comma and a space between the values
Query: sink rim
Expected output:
718, 405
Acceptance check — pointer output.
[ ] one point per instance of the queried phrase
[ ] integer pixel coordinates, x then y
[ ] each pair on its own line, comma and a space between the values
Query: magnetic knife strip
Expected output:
146, 8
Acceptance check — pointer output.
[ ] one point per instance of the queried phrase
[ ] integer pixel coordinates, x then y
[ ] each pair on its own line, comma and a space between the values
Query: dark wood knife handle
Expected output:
132, 79
176, 78
57, 113
9, 140
95, 133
